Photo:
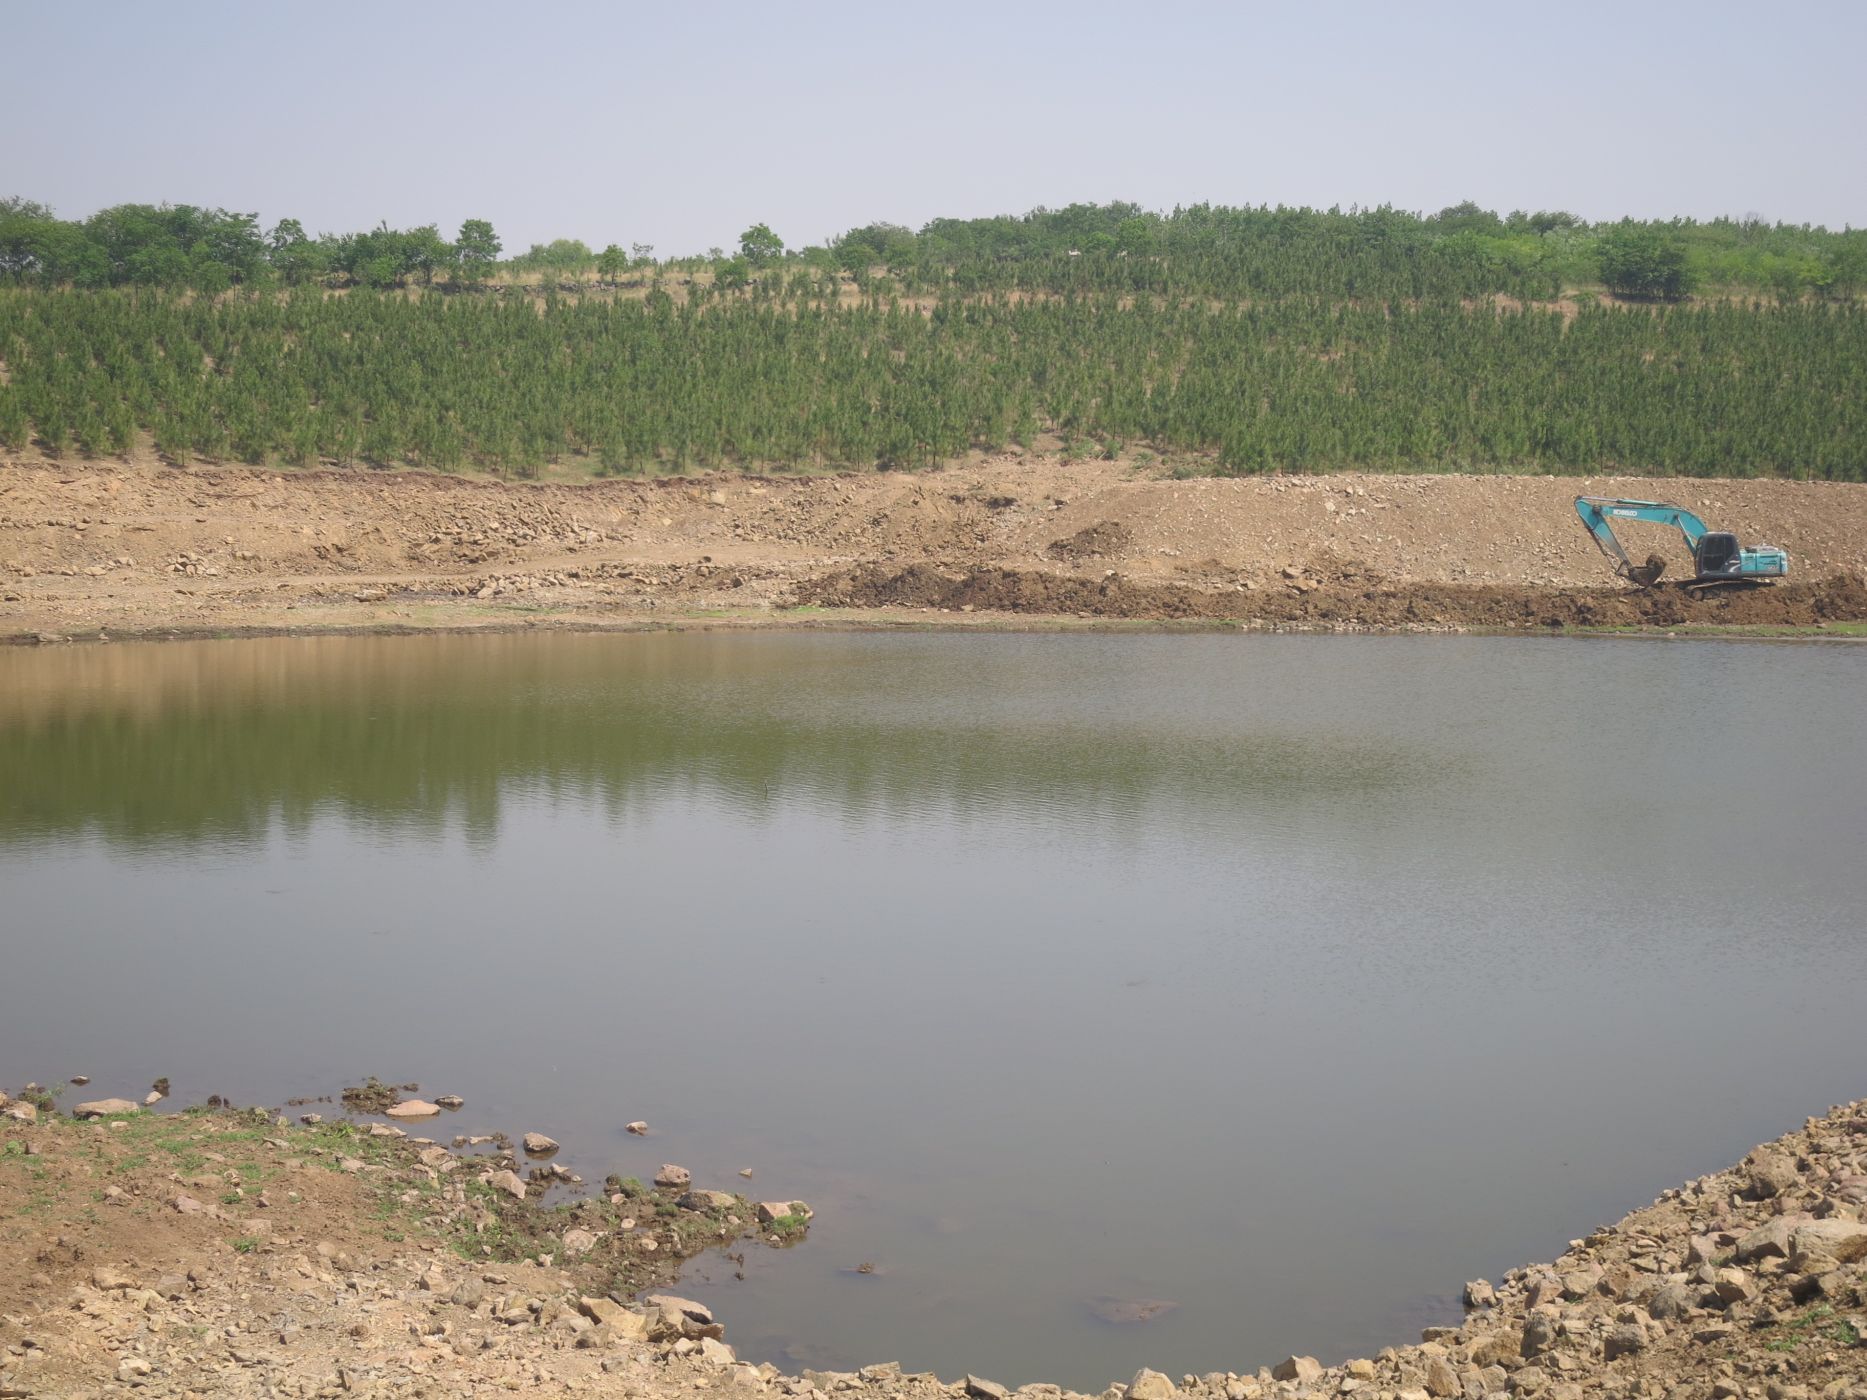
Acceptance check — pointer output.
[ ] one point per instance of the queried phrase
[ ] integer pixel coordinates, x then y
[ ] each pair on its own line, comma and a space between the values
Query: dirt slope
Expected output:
142, 547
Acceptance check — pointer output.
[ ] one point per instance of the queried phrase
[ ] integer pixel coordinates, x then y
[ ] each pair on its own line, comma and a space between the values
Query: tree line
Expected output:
1199, 249
778, 378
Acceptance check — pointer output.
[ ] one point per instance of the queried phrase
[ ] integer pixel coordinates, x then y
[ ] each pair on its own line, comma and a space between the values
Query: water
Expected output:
1290, 980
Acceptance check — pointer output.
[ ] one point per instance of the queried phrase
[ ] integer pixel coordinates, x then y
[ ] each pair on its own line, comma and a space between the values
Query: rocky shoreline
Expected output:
223, 1252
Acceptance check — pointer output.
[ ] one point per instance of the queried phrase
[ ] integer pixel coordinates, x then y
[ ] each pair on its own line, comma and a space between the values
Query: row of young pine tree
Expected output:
650, 385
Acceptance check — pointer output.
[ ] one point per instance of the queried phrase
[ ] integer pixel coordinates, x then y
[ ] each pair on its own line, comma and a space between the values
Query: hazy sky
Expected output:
679, 125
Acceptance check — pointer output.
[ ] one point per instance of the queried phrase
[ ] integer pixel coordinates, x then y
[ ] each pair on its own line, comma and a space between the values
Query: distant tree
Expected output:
476, 250
732, 273
1637, 261
642, 252
611, 262
293, 256
758, 245
1467, 216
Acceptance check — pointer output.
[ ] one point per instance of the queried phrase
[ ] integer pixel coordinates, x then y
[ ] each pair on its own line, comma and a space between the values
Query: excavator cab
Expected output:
1718, 554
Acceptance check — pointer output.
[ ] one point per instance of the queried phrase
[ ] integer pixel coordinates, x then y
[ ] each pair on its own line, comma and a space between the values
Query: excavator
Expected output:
1716, 555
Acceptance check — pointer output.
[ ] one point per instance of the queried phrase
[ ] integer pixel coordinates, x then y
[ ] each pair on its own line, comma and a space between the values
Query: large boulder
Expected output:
1769, 1240
671, 1175
1150, 1385
1821, 1241
538, 1144
412, 1108
1297, 1368
1771, 1174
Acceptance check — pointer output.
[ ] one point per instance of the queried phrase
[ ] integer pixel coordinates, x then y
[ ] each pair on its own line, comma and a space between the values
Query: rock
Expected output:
982, 1389
106, 1108
629, 1326
469, 1294
80, 1080
508, 1182
1670, 1301
1297, 1368
187, 1205
1769, 1240
601, 1311
1771, 1174
1624, 1340
110, 1281
671, 1175
687, 1307
311, 1120
1480, 1294
1498, 1349
1539, 1335
538, 1144
1149, 1385
770, 1212
151, 1098
578, 1243
746, 1172
1733, 1286
412, 1108
451, 1101
638, 1127
716, 1353
21, 1112
1360, 1369
1441, 1379
132, 1369
708, 1200
1843, 1241
172, 1286
1579, 1284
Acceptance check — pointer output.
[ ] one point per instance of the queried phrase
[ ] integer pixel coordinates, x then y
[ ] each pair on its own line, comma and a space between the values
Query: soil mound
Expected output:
1364, 601
1104, 537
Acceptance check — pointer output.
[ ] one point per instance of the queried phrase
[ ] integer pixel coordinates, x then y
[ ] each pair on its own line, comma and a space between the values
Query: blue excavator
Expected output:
1716, 555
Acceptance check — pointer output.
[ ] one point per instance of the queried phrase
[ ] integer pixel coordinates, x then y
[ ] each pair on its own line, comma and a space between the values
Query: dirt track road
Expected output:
141, 548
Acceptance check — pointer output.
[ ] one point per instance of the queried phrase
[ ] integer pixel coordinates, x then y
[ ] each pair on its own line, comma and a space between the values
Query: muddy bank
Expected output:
1351, 600
238, 1253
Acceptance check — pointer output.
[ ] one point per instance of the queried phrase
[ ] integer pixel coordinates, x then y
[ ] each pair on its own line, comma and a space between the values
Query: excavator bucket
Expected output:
1647, 574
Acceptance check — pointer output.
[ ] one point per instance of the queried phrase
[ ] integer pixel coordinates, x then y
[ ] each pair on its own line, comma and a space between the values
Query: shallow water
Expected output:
1293, 980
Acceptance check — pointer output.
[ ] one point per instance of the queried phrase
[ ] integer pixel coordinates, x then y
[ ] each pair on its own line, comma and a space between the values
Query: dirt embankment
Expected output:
223, 1253
139, 547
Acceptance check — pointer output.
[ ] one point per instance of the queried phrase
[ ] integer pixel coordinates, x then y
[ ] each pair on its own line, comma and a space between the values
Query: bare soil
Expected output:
137, 547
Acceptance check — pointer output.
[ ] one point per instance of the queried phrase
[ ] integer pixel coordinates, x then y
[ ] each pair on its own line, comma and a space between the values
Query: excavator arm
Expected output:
1598, 513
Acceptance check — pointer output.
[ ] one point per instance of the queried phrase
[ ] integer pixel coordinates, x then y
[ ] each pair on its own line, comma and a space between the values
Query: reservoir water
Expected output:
1290, 980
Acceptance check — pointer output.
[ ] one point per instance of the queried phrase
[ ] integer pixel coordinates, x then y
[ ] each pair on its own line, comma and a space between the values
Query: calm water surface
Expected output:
1291, 980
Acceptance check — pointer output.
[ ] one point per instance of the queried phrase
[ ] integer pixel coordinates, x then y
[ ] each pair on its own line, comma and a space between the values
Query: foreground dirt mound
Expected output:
1365, 601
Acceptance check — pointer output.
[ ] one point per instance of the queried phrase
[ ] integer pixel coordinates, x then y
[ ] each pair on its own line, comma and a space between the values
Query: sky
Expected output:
680, 125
